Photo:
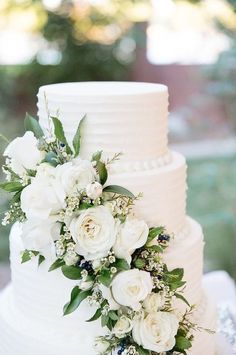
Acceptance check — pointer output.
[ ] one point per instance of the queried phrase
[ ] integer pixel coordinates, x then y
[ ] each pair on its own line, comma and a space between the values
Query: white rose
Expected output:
94, 190
107, 295
154, 302
39, 236
131, 287
156, 332
23, 153
132, 235
122, 327
101, 345
75, 175
94, 232
40, 199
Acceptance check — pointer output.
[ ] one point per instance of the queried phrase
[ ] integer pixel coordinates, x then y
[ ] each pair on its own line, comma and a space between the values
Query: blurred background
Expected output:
188, 45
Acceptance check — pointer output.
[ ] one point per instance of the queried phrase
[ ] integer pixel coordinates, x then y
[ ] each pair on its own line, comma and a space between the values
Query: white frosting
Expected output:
42, 294
23, 335
163, 189
121, 117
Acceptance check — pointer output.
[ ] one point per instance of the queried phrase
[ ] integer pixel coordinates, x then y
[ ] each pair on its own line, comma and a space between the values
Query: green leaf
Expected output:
77, 138
57, 264
183, 343
156, 248
139, 263
96, 315
97, 156
121, 265
102, 172
173, 286
27, 255
16, 197
31, 124
71, 272
181, 297
104, 320
85, 206
105, 277
51, 158
113, 315
175, 275
119, 190
77, 296
59, 133
154, 232
142, 351
11, 186
41, 259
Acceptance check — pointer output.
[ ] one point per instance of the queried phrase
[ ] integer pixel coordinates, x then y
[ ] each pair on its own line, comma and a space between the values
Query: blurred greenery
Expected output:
212, 201
76, 41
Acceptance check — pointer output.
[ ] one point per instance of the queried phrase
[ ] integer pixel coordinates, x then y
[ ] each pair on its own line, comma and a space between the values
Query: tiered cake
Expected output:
121, 117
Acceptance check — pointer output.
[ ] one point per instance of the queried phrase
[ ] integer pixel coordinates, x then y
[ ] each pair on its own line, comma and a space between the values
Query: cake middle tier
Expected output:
163, 190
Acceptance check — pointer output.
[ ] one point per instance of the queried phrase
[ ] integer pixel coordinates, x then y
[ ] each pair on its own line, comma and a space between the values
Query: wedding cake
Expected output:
121, 117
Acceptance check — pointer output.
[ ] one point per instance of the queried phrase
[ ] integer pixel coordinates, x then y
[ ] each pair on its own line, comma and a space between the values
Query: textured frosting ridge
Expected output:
121, 117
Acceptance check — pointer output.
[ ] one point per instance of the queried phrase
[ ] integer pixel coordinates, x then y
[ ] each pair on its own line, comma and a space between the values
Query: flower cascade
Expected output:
115, 259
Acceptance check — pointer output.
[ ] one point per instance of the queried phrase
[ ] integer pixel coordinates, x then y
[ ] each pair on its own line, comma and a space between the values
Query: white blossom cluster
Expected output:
67, 210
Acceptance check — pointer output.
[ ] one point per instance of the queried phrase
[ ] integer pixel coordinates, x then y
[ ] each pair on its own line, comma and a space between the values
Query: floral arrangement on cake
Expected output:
115, 259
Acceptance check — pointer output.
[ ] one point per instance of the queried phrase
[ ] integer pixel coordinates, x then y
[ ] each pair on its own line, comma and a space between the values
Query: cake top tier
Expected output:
125, 117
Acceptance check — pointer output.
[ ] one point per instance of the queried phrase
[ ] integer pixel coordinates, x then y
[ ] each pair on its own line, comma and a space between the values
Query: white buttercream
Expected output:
120, 117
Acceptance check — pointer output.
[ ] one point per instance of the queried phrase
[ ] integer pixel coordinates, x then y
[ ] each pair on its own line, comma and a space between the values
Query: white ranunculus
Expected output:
154, 302
23, 153
123, 326
94, 232
107, 295
131, 287
132, 235
39, 200
101, 345
75, 175
156, 331
94, 190
39, 236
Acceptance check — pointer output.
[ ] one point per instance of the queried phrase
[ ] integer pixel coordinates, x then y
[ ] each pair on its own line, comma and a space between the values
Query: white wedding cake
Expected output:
130, 118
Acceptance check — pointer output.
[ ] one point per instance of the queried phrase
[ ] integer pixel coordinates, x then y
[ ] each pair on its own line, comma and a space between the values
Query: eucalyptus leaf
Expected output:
113, 315
11, 186
77, 296
104, 320
102, 172
31, 124
71, 272
77, 138
119, 190
57, 264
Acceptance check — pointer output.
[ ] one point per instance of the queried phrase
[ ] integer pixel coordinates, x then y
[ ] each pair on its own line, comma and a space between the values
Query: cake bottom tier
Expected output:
20, 335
